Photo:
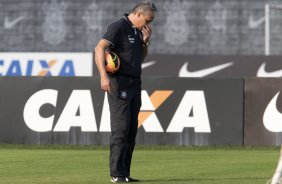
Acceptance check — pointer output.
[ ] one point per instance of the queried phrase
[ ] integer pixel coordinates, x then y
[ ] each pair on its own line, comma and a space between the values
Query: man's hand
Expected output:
105, 84
146, 31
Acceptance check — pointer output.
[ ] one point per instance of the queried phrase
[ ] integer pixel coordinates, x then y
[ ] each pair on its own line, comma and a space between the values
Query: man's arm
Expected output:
145, 52
100, 62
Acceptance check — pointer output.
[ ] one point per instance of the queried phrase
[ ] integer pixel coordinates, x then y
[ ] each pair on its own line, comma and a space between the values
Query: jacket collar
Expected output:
125, 16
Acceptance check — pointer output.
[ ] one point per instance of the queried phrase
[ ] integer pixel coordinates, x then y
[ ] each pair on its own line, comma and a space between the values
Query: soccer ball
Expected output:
112, 62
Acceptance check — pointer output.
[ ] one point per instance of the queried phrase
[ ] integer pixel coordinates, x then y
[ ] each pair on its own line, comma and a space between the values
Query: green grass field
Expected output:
153, 165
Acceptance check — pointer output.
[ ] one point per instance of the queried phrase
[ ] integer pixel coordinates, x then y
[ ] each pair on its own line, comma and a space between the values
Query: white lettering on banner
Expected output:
31, 114
193, 101
78, 112
105, 119
272, 117
80, 102
152, 123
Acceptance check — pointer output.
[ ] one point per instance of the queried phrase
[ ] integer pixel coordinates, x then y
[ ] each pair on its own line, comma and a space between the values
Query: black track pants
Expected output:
125, 102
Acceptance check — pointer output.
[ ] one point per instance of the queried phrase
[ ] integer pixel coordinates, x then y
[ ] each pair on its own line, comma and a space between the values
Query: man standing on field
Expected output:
129, 39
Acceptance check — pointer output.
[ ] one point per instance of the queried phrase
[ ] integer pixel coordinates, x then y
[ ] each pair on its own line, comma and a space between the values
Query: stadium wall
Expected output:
188, 27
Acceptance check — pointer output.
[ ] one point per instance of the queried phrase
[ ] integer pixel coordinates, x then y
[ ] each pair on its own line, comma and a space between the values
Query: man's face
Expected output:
144, 19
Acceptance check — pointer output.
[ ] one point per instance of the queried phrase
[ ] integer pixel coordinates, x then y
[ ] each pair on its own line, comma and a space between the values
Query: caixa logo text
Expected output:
79, 112
39, 67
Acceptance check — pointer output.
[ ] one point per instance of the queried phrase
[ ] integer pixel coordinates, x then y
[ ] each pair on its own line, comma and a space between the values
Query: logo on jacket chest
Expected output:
131, 39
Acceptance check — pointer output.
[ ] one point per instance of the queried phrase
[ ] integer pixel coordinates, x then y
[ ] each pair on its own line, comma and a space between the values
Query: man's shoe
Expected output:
132, 180
119, 180
123, 180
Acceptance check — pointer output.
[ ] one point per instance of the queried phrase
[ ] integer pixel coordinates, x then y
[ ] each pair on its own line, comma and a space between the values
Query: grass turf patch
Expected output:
34, 164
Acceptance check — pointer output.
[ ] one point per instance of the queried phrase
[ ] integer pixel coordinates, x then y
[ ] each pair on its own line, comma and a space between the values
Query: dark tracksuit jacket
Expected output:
125, 93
